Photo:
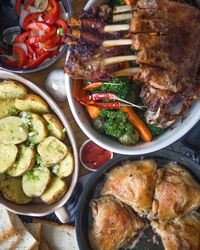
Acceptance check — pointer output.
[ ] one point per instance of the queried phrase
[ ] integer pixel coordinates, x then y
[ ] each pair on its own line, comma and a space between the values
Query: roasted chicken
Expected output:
176, 193
114, 224
133, 183
183, 234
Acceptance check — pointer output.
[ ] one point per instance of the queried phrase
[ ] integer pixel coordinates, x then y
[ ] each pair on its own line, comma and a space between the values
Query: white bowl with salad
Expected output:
33, 37
112, 115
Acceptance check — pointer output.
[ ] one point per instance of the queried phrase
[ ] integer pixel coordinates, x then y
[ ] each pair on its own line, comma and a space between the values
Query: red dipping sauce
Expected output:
93, 156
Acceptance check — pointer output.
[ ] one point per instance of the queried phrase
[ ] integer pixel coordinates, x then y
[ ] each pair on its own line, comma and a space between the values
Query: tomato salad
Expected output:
43, 32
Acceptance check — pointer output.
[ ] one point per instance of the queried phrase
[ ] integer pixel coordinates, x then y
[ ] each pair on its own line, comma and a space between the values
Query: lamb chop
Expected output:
161, 34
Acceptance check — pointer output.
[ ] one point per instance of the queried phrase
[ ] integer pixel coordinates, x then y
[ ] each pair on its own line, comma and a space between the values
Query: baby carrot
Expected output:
142, 129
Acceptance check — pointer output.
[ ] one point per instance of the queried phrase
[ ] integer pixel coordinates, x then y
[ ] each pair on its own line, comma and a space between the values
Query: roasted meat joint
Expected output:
155, 42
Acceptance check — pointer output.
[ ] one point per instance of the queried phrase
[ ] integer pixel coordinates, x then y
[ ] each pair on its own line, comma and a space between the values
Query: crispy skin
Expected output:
114, 224
183, 234
133, 183
176, 193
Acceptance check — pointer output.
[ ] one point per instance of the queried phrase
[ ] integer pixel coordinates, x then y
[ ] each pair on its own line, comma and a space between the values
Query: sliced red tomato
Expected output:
62, 24
22, 37
9, 63
18, 7
53, 14
43, 38
34, 63
55, 52
29, 19
20, 55
39, 26
28, 3
51, 43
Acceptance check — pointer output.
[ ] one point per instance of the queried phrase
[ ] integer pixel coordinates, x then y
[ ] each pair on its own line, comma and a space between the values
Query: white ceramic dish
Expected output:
39, 208
173, 134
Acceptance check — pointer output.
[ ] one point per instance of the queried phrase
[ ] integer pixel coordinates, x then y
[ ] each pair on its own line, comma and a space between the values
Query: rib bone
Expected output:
123, 8
110, 43
119, 59
122, 17
116, 27
127, 72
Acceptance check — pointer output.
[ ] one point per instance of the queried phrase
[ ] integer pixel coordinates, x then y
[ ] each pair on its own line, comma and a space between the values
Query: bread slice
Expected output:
44, 245
10, 242
35, 229
59, 237
27, 241
6, 227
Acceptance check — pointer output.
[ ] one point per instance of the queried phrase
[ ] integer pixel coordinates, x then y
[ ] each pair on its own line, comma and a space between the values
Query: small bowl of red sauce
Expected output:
93, 156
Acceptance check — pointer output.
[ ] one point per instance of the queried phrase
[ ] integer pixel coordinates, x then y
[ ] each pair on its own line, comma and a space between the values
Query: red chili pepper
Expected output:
18, 7
39, 26
62, 24
34, 63
53, 14
21, 56
28, 3
55, 41
105, 105
98, 96
22, 37
29, 19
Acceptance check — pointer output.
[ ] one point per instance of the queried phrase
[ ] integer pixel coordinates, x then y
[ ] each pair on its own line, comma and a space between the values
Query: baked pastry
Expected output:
114, 225
133, 183
183, 234
176, 193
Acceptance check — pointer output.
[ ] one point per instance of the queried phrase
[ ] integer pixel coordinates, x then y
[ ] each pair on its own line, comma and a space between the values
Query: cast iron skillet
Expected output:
94, 185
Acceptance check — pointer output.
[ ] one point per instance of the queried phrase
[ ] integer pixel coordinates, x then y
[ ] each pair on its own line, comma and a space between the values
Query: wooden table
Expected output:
39, 79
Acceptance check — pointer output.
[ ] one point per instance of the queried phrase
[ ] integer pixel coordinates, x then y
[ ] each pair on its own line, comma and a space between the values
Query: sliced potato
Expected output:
65, 167
35, 181
52, 151
24, 163
8, 154
7, 107
10, 89
32, 103
12, 131
39, 132
55, 191
12, 191
55, 127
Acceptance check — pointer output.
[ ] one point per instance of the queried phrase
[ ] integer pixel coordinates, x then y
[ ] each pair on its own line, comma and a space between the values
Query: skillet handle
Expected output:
63, 215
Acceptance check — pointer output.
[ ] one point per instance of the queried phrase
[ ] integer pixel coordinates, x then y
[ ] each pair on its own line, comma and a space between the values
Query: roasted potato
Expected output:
35, 181
7, 107
10, 89
52, 151
65, 167
54, 126
55, 191
12, 191
12, 131
32, 103
8, 154
25, 161
39, 130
